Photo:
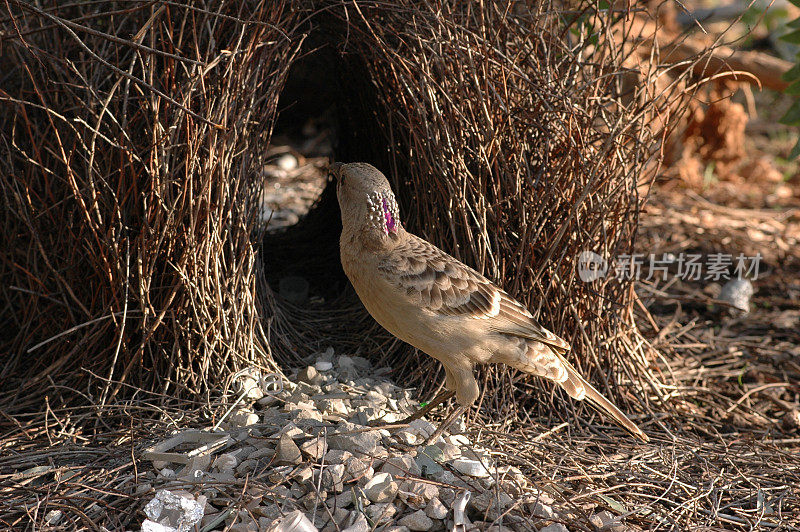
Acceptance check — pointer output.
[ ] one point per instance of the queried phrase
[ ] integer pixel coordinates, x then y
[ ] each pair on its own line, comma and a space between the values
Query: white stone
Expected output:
381, 488
607, 521
401, 466
53, 517
435, 509
418, 521
541, 510
333, 406
290, 429
243, 418
323, 365
315, 448
449, 451
341, 500
423, 490
381, 513
286, 162
554, 527
491, 503
248, 386
738, 292
337, 456
374, 398
406, 437
287, 451
360, 523
309, 419
358, 470
332, 477
422, 427
309, 375
450, 479
246, 466
303, 474
469, 467
225, 462
459, 440
354, 439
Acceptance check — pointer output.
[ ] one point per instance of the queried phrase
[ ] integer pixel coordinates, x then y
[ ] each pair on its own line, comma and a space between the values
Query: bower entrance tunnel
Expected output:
324, 114
328, 111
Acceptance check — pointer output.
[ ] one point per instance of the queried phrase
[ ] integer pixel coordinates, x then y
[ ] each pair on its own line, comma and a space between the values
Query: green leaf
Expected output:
792, 116
613, 503
793, 89
793, 23
795, 151
791, 37
795, 2
792, 74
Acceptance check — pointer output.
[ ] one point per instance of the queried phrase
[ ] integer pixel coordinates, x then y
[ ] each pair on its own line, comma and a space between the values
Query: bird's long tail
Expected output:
578, 388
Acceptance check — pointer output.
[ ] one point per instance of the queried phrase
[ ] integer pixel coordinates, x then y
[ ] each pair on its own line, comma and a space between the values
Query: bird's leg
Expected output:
439, 399
460, 409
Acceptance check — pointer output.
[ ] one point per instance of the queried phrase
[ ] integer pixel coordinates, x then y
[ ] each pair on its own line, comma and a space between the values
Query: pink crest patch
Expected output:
387, 213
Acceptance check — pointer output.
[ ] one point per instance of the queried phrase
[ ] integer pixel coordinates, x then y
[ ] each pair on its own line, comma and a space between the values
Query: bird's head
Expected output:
366, 199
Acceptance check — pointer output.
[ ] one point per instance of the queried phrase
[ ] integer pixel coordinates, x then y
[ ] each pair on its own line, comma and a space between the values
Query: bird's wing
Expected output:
439, 283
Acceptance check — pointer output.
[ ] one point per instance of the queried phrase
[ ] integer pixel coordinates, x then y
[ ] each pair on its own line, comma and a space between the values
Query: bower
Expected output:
517, 135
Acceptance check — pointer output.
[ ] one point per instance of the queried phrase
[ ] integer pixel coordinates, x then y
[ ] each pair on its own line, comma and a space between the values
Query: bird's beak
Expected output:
334, 168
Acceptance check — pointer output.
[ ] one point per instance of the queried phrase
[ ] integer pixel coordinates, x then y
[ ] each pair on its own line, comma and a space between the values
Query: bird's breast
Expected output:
443, 337
377, 296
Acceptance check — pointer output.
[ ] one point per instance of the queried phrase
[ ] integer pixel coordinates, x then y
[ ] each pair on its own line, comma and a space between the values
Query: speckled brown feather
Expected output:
443, 285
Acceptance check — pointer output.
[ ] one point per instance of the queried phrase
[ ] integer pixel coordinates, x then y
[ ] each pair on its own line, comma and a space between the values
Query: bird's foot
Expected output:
445, 424
422, 412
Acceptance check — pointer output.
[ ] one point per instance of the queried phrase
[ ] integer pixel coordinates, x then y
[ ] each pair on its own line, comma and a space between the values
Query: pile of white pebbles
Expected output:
310, 455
